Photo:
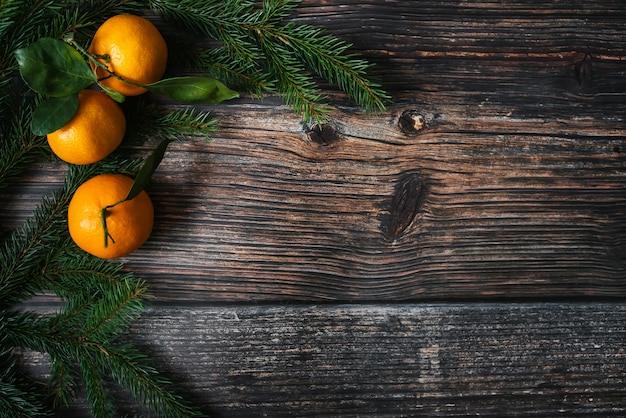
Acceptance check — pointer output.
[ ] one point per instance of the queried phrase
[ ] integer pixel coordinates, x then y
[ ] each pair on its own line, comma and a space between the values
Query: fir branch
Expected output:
9, 11
327, 56
256, 40
135, 371
20, 22
92, 346
113, 312
18, 397
147, 121
26, 22
274, 12
28, 250
99, 399
242, 75
17, 403
30, 330
74, 273
19, 147
82, 17
97, 315
294, 85
64, 378
182, 123
221, 20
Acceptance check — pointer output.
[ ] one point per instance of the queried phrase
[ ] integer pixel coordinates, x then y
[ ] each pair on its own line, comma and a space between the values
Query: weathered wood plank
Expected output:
481, 47
520, 165
510, 212
541, 360
498, 172
278, 216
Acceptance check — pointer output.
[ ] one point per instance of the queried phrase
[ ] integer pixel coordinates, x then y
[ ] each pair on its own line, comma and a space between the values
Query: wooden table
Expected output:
463, 253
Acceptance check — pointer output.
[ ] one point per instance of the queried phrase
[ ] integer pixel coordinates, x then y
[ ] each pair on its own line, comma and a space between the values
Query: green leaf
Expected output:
53, 113
193, 89
113, 94
146, 170
53, 68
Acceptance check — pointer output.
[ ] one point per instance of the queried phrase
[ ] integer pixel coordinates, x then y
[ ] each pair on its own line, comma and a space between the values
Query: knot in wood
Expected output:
405, 204
324, 134
411, 121
584, 70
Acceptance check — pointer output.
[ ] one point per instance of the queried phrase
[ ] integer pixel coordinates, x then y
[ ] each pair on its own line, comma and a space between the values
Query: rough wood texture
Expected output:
389, 361
498, 174
499, 171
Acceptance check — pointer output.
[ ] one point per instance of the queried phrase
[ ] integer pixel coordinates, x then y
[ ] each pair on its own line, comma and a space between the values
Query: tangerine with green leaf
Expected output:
96, 130
132, 48
103, 223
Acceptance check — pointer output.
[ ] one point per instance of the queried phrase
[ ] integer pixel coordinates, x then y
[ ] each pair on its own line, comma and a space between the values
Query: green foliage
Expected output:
99, 299
18, 397
265, 54
53, 113
187, 120
204, 90
147, 169
53, 68
83, 338
23, 22
19, 146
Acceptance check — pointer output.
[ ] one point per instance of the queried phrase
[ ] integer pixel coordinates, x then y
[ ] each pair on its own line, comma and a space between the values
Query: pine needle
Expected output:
255, 49
100, 299
256, 40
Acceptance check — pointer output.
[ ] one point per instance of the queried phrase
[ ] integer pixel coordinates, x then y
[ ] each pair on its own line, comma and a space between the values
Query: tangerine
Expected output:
95, 130
132, 48
102, 224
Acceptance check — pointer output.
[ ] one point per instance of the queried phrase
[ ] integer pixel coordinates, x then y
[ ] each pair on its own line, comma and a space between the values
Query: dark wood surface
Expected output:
463, 253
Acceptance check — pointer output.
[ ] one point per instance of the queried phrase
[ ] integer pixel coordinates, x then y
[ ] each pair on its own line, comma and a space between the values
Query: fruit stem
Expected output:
104, 214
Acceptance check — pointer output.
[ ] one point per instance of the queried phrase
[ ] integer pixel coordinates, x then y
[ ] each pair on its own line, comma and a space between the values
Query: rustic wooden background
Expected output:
463, 253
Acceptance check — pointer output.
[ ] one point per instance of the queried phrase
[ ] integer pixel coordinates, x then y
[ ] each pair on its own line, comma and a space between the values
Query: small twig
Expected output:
95, 59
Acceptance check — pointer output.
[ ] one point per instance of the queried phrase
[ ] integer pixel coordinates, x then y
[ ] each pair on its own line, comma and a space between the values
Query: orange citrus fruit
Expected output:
128, 224
95, 130
131, 47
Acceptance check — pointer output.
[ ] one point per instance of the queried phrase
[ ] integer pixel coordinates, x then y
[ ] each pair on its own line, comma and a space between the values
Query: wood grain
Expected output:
539, 360
498, 172
496, 176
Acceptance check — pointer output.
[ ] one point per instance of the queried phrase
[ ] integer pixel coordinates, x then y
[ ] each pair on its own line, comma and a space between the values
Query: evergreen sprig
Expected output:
149, 121
99, 300
22, 22
268, 55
